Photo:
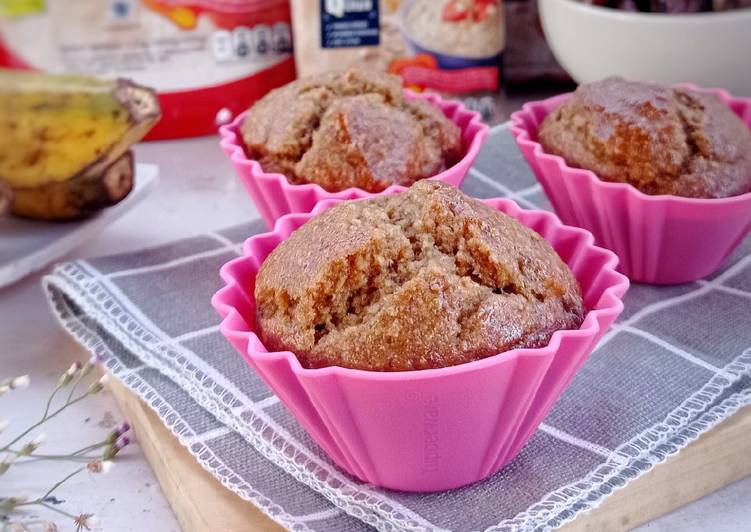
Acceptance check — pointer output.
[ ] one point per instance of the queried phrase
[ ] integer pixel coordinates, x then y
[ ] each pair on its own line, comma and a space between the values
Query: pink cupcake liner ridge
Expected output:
433, 429
659, 239
275, 196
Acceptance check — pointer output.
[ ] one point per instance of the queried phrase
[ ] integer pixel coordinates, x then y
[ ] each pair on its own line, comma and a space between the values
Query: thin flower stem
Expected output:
60, 458
79, 454
67, 404
49, 401
46, 418
74, 386
90, 448
60, 483
58, 510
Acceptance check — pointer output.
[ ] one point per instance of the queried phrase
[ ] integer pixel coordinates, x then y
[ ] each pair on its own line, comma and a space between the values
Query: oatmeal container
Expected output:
452, 47
433, 429
660, 239
275, 196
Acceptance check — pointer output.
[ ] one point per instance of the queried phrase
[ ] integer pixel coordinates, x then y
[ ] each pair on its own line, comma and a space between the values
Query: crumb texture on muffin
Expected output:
424, 279
350, 129
661, 140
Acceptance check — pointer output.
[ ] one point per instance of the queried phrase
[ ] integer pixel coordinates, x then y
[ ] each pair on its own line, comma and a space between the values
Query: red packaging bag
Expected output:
208, 59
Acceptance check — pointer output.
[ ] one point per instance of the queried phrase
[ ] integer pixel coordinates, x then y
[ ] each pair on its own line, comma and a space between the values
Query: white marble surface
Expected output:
197, 192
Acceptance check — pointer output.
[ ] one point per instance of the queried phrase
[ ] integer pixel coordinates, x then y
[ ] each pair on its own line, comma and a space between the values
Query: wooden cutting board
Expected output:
202, 504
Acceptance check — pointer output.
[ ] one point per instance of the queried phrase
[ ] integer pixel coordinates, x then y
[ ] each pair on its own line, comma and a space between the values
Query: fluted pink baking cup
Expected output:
659, 239
274, 196
433, 429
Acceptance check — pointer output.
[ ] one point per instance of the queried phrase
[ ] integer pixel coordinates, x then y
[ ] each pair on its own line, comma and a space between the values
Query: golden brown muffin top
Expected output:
349, 129
424, 279
659, 139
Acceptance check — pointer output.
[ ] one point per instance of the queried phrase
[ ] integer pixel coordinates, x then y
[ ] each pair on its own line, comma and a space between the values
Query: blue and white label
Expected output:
348, 23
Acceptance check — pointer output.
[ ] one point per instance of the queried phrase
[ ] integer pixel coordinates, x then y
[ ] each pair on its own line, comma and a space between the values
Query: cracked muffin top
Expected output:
659, 139
350, 129
424, 279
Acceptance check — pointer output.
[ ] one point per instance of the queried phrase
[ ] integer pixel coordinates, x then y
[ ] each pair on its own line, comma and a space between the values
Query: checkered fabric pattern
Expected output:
676, 363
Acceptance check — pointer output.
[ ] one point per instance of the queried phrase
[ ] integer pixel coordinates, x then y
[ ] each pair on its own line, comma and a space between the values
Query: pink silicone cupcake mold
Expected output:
659, 239
274, 196
434, 429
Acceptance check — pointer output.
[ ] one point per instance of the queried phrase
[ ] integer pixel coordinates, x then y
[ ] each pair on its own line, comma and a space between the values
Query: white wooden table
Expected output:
197, 192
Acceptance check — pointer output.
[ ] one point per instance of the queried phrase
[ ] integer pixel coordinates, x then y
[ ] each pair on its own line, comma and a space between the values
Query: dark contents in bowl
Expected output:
671, 6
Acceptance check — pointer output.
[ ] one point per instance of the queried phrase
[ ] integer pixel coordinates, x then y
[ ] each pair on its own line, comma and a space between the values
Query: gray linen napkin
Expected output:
677, 363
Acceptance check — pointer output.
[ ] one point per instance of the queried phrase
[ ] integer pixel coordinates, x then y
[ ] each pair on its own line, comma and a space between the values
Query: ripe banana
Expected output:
76, 197
6, 196
63, 138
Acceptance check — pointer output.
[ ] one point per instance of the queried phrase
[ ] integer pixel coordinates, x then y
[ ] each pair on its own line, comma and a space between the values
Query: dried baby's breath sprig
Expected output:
91, 363
16, 383
70, 374
84, 372
107, 449
86, 522
99, 466
98, 386
113, 436
7, 462
14, 503
10, 503
65, 379
111, 450
33, 445
19, 383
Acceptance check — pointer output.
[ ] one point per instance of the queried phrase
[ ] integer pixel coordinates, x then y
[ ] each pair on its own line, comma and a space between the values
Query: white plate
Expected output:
29, 245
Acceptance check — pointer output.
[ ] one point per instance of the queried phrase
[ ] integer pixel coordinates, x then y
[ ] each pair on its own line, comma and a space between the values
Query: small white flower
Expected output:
90, 522
98, 386
9, 459
99, 466
4, 424
38, 440
67, 377
93, 362
10, 503
4, 388
33, 445
20, 382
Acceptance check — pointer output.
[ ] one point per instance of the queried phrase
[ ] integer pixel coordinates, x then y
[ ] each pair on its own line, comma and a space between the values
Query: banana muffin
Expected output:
350, 129
424, 279
661, 140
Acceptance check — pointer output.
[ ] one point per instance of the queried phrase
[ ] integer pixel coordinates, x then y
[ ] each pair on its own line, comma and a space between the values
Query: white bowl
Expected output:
708, 49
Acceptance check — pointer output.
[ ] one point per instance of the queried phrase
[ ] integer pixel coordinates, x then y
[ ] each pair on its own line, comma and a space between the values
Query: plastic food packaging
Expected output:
208, 59
453, 47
